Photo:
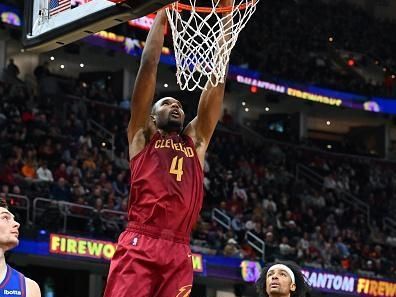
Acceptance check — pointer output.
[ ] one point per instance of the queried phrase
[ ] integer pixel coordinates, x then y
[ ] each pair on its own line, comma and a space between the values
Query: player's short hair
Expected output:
302, 287
3, 203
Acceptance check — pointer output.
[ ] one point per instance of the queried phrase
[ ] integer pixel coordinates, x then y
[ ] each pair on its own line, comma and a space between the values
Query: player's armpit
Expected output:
138, 143
141, 138
190, 130
201, 143
32, 288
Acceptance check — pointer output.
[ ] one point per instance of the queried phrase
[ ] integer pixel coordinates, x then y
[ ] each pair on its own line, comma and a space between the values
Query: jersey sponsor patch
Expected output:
12, 292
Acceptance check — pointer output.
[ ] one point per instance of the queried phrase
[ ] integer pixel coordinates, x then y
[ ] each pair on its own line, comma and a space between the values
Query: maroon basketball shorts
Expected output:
150, 262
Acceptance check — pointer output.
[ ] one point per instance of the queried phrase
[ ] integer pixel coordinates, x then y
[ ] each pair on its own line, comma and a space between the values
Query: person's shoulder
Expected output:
32, 288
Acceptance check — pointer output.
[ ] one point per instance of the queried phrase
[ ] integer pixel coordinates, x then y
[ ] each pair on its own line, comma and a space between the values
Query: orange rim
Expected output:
203, 9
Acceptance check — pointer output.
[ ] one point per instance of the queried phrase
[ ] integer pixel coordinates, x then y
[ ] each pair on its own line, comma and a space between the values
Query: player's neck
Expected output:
280, 295
168, 133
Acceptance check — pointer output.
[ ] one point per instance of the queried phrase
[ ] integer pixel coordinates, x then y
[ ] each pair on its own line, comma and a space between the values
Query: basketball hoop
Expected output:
203, 38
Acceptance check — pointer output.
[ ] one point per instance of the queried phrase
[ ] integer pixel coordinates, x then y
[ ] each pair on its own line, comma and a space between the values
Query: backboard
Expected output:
53, 23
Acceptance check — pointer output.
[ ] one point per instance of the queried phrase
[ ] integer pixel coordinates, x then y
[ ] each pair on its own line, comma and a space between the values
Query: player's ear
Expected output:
293, 287
152, 118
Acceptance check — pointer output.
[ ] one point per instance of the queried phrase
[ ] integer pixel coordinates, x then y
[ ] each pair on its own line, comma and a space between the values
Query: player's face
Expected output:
8, 230
169, 114
279, 283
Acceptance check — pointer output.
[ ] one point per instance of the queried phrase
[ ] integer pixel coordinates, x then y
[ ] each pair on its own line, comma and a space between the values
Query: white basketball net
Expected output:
203, 41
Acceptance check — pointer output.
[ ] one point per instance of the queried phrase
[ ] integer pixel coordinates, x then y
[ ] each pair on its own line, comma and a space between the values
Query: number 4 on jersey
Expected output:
177, 167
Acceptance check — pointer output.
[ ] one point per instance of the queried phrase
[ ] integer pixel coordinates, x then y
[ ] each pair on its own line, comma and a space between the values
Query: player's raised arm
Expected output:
210, 104
144, 89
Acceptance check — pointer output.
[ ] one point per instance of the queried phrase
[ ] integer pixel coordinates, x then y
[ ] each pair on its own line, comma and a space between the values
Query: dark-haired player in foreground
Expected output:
12, 282
282, 279
153, 258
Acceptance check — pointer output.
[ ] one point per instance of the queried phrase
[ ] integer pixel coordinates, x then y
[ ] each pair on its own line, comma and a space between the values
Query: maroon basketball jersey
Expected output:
166, 184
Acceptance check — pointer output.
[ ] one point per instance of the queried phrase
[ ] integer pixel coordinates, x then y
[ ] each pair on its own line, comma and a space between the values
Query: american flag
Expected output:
57, 6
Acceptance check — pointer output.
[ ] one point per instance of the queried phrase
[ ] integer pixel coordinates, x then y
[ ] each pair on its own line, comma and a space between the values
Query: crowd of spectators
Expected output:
297, 40
257, 188
49, 150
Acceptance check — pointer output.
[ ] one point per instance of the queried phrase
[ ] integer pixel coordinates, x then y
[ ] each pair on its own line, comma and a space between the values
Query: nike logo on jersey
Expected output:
12, 292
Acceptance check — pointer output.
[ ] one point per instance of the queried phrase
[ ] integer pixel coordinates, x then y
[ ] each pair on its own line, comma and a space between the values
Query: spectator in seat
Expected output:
271, 247
119, 186
285, 249
86, 139
44, 174
61, 191
231, 249
61, 172
73, 169
28, 170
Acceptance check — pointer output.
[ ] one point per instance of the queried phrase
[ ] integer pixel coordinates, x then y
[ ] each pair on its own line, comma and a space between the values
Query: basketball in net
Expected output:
203, 37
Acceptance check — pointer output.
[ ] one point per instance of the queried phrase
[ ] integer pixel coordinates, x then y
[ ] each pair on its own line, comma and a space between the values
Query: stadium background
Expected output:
301, 166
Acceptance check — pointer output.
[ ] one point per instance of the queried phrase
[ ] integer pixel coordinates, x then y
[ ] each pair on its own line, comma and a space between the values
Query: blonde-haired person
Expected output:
12, 282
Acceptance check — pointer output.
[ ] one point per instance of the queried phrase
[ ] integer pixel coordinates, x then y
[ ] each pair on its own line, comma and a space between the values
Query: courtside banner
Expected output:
375, 287
322, 95
96, 249
344, 283
66, 247
81, 247
325, 281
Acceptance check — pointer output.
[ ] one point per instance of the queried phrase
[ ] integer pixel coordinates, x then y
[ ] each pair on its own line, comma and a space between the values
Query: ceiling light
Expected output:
62, 66
328, 123
52, 58
82, 65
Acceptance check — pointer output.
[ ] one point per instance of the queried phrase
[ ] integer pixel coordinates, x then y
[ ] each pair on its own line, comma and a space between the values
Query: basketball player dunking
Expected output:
153, 258
12, 282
